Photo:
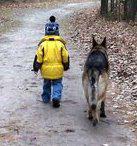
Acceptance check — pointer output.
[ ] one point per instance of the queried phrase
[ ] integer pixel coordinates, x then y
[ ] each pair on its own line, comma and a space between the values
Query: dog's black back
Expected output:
97, 60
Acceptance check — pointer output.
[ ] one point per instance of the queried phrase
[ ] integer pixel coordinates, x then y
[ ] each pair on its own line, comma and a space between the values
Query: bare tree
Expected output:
133, 9
112, 5
104, 7
120, 9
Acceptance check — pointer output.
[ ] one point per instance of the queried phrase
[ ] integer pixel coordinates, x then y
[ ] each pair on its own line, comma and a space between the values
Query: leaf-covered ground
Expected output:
122, 52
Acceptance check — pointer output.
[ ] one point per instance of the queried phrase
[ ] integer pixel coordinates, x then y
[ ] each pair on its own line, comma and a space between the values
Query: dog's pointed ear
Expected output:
94, 42
104, 43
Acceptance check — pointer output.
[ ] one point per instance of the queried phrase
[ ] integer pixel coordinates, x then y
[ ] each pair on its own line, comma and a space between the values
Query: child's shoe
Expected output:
55, 103
46, 100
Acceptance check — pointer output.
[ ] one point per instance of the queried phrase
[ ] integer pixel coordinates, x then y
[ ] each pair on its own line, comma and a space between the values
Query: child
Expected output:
52, 59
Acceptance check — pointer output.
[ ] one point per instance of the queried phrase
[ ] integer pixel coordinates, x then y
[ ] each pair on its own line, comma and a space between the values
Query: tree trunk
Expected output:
130, 9
133, 9
112, 6
104, 7
125, 9
119, 13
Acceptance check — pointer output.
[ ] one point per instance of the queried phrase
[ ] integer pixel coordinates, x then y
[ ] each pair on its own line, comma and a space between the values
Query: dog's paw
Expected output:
95, 122
90, 117
103, 115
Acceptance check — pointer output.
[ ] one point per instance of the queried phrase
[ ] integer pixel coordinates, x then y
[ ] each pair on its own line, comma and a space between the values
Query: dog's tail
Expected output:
94, 79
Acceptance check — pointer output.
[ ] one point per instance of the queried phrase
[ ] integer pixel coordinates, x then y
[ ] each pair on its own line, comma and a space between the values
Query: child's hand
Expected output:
35, 72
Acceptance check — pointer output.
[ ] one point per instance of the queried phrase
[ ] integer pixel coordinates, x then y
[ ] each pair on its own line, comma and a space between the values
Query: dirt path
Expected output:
26, 121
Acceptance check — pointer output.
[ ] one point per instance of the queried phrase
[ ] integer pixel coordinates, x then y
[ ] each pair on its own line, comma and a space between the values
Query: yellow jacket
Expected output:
52, 55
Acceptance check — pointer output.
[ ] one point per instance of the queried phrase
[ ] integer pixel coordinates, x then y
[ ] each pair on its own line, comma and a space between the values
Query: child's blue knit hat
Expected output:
52, 28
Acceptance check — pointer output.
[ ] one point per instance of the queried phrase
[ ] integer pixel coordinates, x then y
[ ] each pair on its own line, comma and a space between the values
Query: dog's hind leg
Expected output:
103, 88
102, 110
85, 83
96, 113
90, 117
95, 117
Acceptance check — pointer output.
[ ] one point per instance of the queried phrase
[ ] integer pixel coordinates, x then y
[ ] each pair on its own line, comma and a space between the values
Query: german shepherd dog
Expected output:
95, 80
